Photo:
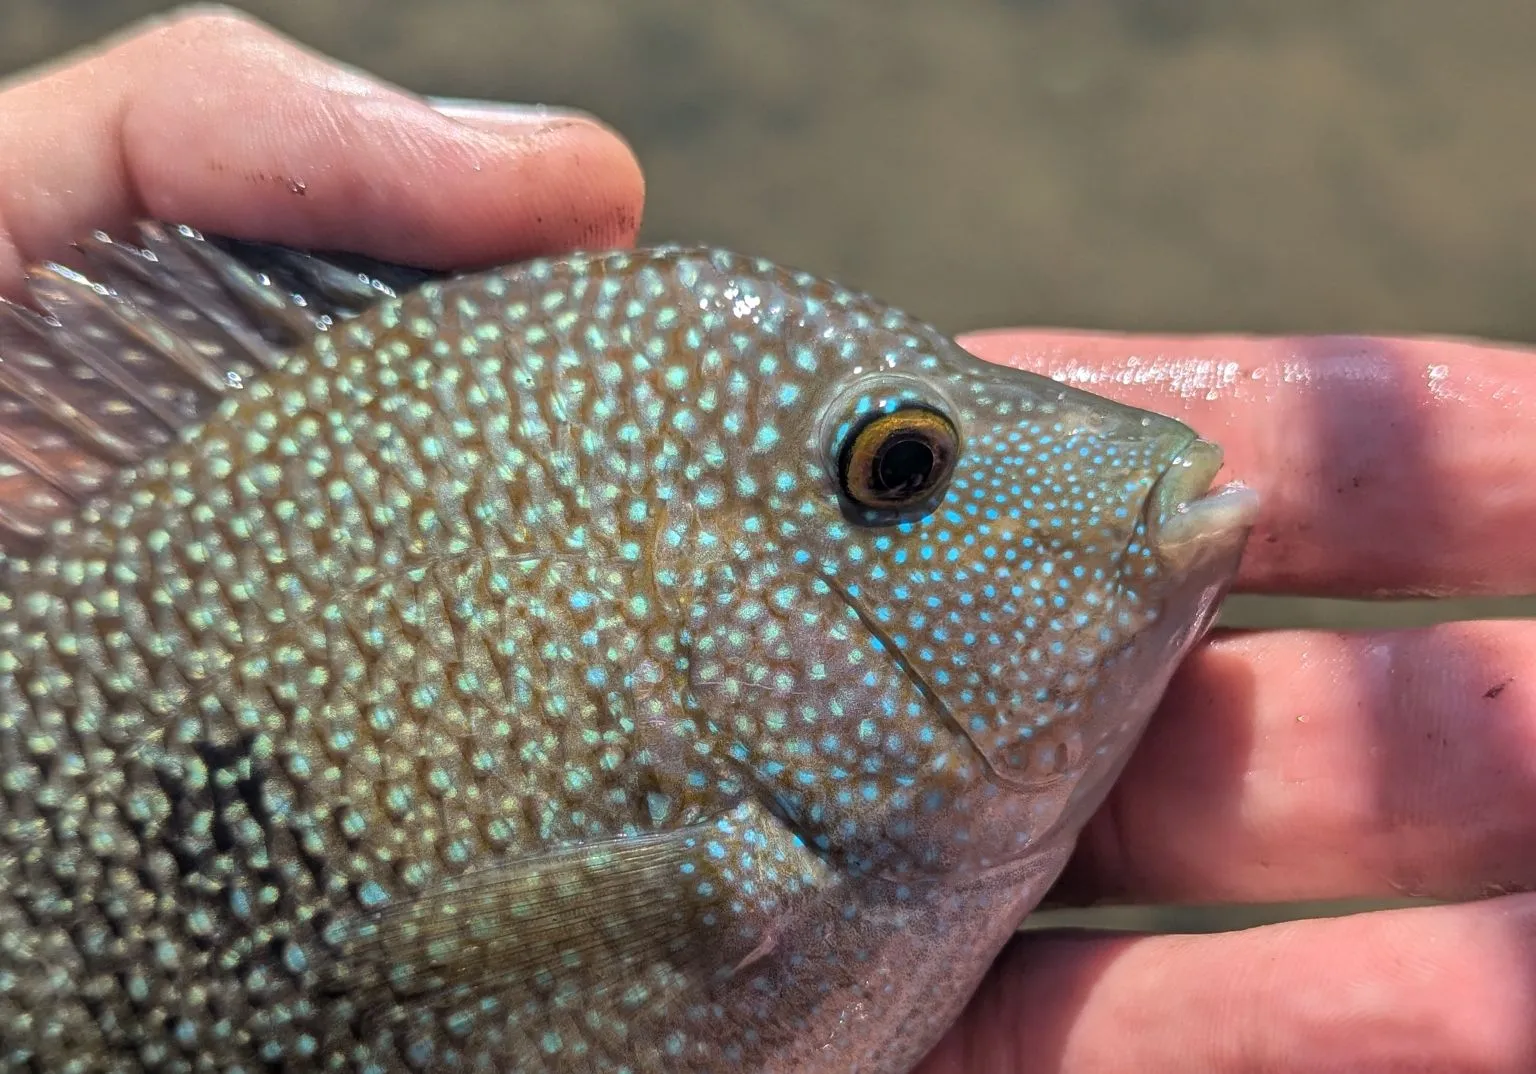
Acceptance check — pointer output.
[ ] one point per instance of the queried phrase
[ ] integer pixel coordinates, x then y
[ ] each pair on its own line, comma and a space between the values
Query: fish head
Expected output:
1037, 559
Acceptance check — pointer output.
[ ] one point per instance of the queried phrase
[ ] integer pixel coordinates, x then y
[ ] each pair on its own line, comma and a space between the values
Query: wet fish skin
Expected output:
508, 680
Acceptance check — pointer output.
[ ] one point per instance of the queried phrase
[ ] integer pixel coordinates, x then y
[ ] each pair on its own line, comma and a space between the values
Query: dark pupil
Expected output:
902, 467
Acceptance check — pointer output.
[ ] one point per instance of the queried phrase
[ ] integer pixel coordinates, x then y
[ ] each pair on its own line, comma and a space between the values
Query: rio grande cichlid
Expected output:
635, 662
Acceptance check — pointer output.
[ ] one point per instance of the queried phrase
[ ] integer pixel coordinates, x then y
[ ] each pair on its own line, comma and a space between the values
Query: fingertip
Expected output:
608, 186
575, 184
332, 159
498, 115
207, 117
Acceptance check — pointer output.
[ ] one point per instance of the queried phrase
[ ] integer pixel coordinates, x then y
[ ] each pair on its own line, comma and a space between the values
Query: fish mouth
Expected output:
1188, 521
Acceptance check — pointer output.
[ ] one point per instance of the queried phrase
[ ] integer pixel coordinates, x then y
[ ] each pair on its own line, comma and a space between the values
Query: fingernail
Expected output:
470, 110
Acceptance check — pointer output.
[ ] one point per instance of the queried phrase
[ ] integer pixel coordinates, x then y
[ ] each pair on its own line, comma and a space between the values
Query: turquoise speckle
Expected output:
634, 662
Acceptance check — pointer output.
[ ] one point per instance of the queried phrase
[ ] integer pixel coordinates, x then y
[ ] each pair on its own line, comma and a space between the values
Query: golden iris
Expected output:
898, 460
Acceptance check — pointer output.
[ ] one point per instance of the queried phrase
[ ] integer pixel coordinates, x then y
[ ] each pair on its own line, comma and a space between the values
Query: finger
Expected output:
1308, 765
1448, 988
212, 120
1386, 466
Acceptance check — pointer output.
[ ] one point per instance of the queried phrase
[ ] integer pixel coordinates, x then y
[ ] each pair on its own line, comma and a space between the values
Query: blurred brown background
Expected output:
1201, 165
1260, 165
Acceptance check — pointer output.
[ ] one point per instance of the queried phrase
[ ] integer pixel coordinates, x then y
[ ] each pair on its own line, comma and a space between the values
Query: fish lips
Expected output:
1189, 524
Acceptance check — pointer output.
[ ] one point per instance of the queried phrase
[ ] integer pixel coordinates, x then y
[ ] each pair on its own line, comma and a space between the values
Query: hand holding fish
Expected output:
212, 120
326, 894
1315, 765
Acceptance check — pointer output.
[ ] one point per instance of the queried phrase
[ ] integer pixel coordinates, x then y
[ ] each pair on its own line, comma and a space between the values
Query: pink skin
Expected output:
1315, 765
1284, 765
210, 119
1349, 440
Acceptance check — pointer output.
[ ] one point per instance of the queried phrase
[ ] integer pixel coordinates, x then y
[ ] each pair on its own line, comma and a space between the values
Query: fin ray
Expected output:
678, 912
116, 358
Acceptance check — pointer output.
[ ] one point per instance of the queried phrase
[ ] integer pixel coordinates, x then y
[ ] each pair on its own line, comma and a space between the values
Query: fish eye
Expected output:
899, 460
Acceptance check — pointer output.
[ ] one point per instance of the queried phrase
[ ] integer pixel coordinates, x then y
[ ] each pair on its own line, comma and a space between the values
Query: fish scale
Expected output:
595, 664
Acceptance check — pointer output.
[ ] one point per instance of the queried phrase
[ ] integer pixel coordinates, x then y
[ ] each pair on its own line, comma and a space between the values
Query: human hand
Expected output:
209, 119
1300, 765
1284, 765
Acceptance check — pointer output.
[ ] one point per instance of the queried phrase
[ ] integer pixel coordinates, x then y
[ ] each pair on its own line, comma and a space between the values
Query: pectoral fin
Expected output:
671, 910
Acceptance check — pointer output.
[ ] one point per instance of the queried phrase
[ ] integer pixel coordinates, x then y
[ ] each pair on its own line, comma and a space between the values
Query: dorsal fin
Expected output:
112, 361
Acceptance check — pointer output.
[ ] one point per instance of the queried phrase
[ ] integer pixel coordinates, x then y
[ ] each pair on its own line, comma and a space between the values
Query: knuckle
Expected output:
205, 26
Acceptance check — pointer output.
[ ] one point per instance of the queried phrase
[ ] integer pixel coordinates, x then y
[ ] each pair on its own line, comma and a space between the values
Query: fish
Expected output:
632, 661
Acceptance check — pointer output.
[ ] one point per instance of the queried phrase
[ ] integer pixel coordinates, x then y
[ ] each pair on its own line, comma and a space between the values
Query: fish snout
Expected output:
1190, 523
